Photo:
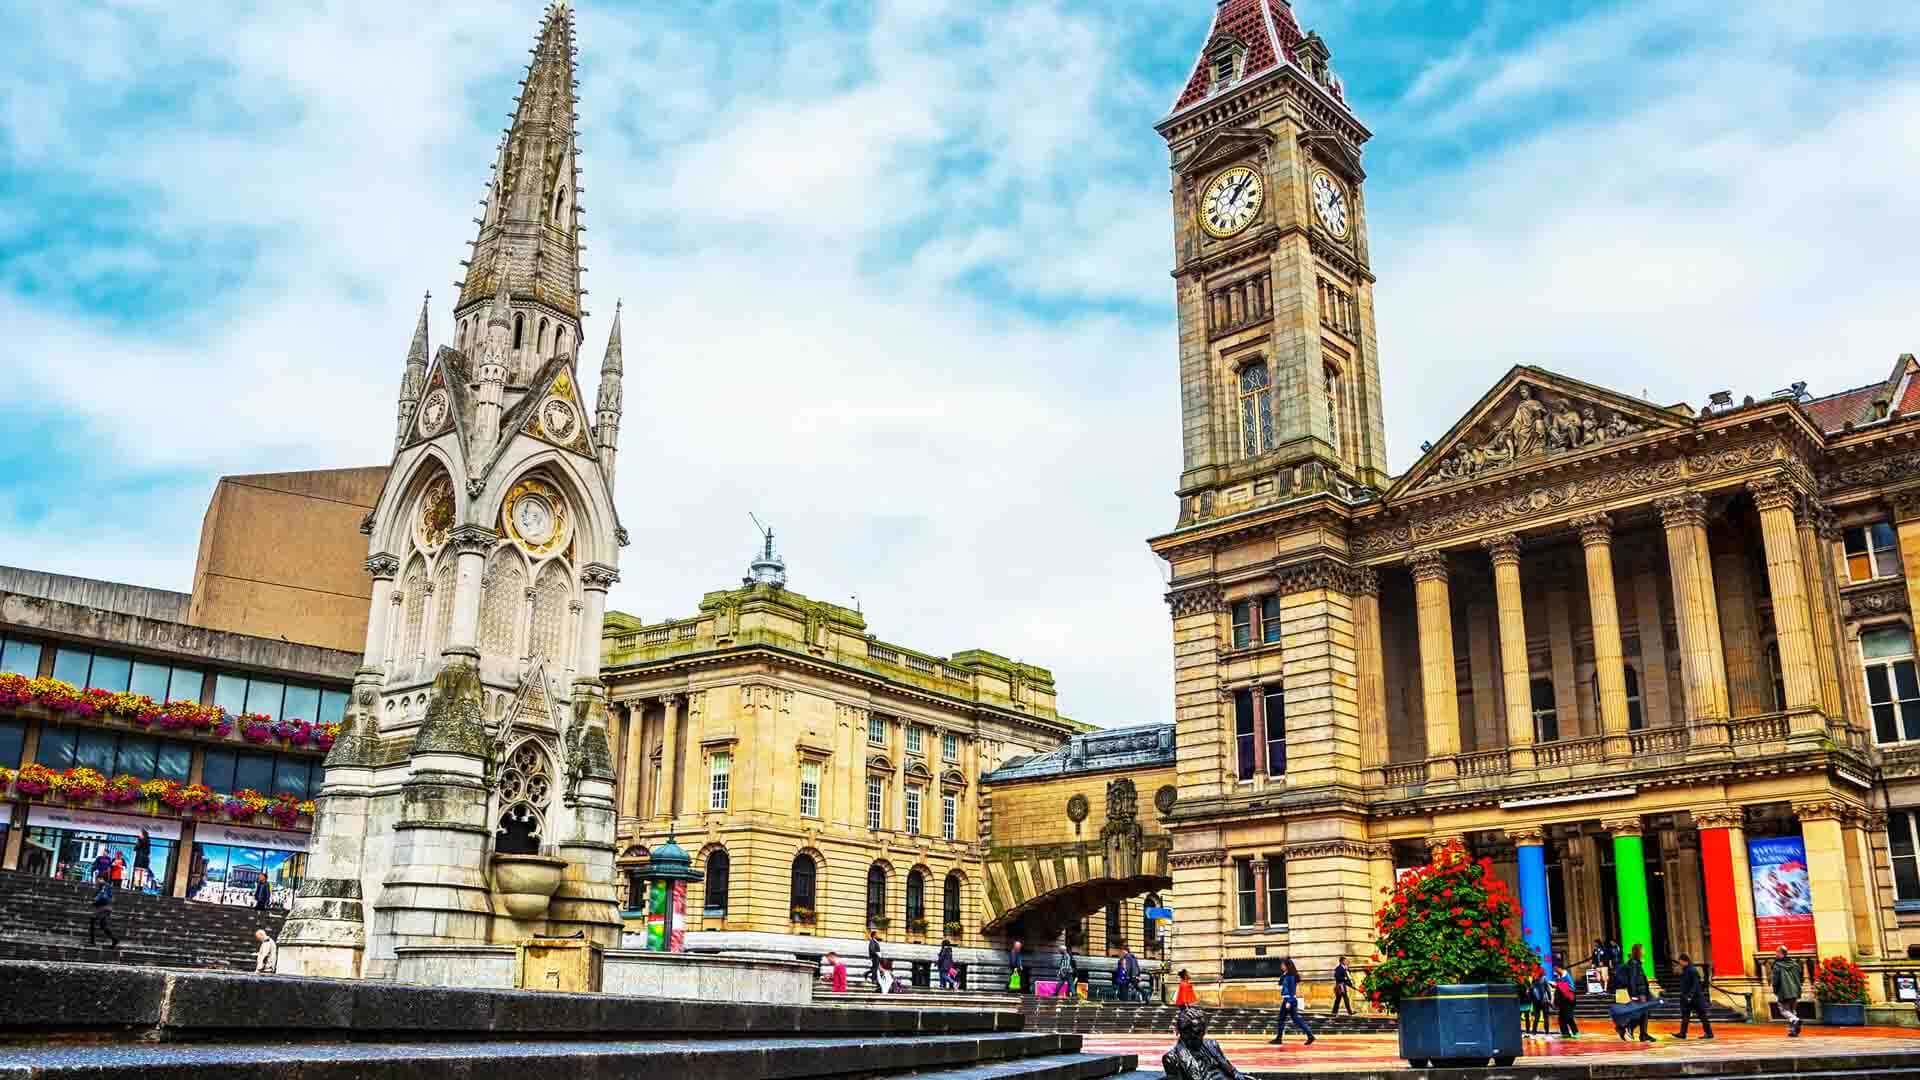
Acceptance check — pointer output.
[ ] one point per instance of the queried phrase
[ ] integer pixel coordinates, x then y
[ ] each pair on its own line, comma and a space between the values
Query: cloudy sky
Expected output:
895, 273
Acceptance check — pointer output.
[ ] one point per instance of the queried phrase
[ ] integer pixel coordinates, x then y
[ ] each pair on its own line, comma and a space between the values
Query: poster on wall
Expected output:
1782, 894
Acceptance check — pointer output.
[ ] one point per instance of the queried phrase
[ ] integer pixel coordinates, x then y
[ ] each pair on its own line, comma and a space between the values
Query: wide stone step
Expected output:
1011, 1054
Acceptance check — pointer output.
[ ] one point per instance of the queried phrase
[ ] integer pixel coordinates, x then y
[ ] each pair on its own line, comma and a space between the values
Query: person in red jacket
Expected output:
836, 974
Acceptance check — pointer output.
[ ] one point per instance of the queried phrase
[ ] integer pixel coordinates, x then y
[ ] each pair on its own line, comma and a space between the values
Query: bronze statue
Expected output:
1196, 1057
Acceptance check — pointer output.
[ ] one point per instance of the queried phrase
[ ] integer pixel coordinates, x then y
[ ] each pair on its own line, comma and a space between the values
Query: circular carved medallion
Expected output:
558, 418
536, 516
1164, 799
1077, 808
433, 412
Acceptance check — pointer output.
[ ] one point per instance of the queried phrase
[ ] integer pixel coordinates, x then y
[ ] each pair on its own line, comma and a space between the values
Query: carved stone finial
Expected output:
1503, 549
1428, 565
1687, 508
1596, 530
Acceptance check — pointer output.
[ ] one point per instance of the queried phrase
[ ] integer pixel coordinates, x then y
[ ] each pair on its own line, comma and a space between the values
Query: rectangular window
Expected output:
150, 679
1893, 692
913, 811
186, 684
264, 695
70, 665
174, 762
1905, 855
1636, 719
1243, 732
56, 747
303, 703
950, 817
217, 770
230, 693
1275, 706
719, 777
1113, 925
333, 706
876, 731
110, 673
1242, 623
876, 801
809, 789
949, 746
1270, 619
290, 777
1873, 552
1249, 910
1546, 718
1276, 890
913, 739
20, 657
95, 750
137, 756
253, 771
13, 742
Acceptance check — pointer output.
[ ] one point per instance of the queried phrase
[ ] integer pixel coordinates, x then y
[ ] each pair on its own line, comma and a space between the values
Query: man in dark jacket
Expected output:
873, 957
1632, 978
1342, 982
262, 893
1693, 997
945, 963
102, 921
1786, 990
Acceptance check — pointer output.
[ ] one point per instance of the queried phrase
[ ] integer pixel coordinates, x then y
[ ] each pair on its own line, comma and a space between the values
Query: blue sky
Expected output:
895, 273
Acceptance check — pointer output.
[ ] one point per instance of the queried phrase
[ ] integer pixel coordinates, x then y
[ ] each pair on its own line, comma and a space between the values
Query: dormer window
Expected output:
1225, 60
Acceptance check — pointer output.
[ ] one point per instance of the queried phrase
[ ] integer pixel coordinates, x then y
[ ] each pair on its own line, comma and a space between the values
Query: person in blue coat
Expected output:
1290, 1002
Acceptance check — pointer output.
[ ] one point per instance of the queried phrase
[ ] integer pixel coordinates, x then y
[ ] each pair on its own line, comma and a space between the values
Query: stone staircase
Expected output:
46, 920
1111, 1018
108, 1023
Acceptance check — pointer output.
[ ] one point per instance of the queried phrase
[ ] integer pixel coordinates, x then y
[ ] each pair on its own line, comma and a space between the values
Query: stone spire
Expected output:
414, 380
606, 428
532, 213
495, 357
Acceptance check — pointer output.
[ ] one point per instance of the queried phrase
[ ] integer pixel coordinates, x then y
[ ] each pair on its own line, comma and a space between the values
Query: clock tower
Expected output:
1279, 379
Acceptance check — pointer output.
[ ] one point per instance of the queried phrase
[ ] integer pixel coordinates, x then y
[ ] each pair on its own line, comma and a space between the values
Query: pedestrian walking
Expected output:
267, 960
1598, 962
1786, 990
873, 958
1342, 984
1536, 1002
1185, 995
1693, 997
262, 893
1016, 979
1064, 973
143, 861
1564, 999
1632, 977
949, 974
836, 973
103, 866
1126, 977
102, 920
1290, 1002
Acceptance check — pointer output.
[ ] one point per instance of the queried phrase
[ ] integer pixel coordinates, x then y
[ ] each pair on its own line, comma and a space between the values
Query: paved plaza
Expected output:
1363, 1053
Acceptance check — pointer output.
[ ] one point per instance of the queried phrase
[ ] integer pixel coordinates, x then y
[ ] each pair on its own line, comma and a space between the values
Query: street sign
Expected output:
1160, 913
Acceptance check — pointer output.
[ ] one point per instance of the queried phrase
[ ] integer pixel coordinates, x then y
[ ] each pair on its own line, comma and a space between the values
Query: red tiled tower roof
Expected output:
1267, 29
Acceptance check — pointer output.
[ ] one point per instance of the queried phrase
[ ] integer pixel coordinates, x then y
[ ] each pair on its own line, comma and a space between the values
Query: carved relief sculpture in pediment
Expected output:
1535, 426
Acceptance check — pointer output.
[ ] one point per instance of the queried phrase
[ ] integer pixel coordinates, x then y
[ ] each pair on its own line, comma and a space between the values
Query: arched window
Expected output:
1331, 390
413, 641
559, 203
549, 613
1636, 716
443, 591
560, 340
503, 596
525, 787
950, 903
1256, 410
718, 868
801, 888
876, 895
540, 346
916, 898
519, 327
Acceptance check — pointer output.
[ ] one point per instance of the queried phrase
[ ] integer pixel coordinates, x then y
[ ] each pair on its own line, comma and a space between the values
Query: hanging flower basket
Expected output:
191, 799
294, 732
1451, 963
35, 781
81, 784
15, 690
245, 804
284, 811
121, 790
325, 735
6, 779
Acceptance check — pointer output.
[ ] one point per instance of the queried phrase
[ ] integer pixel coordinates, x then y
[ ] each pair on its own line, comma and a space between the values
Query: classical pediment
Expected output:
1228, 144
1529, 417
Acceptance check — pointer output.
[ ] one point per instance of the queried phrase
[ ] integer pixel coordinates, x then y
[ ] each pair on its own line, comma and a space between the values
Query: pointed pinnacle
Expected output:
418, 350
502, 298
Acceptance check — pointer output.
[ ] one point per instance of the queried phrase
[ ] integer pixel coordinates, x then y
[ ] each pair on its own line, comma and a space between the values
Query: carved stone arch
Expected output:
918, 771
806, 881
445, 584
525, 786
400, 516
879, 881
953, 898
503, 603
413, 632
553, 593
716, 887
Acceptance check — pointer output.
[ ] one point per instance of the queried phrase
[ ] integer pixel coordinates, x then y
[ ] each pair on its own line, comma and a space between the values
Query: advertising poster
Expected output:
677, 929
656, 915
1782, 894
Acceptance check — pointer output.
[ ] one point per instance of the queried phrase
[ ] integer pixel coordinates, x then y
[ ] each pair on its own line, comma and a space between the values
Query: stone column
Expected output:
1536, 922
1261, 916
1858, 826
1630, 886
1821, 832
383, 568
1822, 610
631, 801
1370, 669
1609, 664
1749, 680
1656, 697
1259, 695
595, 580
1566, 706
1792, 620
1703, 663
666, 800
1434, 611
1850, 664
470, 545
1729, 889
1906, 525
1505, 553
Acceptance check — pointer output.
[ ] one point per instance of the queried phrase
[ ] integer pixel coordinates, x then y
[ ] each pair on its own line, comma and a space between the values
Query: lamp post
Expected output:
665, 878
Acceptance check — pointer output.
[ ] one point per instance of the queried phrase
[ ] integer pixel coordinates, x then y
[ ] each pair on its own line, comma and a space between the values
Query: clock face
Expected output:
1231, 201
1330, 202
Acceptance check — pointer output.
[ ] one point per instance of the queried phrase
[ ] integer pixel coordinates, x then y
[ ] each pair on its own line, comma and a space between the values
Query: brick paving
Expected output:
1360, 1053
